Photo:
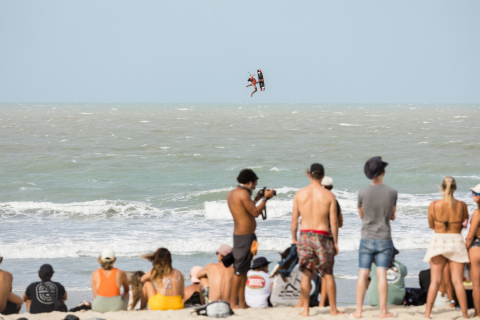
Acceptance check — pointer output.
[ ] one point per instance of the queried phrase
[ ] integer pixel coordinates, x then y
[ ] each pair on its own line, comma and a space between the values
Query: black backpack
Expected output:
58, 305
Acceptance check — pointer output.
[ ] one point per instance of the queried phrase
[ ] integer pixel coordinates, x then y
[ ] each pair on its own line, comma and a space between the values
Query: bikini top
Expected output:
168, 284
446, 223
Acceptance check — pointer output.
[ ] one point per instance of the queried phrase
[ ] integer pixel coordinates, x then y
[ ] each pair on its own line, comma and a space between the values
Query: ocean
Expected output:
76, 178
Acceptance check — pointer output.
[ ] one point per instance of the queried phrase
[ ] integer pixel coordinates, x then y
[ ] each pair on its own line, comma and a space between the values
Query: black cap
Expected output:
317, 168
374, 167
260, 262
46, 270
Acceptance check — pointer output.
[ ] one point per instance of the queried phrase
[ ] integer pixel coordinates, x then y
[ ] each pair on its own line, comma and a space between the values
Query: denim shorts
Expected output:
381, 250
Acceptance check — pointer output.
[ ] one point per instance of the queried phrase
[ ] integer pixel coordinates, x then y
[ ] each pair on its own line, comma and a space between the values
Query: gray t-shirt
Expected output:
378, 202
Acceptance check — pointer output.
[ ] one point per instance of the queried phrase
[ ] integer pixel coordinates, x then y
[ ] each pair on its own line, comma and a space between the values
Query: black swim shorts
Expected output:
11, 308
241, 252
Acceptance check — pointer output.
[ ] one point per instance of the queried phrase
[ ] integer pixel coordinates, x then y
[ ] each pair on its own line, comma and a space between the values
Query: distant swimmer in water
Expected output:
253, 83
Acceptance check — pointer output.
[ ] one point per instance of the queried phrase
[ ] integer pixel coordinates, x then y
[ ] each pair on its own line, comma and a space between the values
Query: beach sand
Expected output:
258, 314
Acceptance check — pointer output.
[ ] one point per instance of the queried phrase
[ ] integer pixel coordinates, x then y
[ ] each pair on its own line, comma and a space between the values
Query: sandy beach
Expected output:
259, 314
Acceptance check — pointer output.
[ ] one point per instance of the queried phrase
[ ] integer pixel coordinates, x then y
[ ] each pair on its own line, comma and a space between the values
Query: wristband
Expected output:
264, 199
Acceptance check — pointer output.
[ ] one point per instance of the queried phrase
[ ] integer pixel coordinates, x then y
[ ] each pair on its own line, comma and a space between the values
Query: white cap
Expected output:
327, 181
476, 189
107, 255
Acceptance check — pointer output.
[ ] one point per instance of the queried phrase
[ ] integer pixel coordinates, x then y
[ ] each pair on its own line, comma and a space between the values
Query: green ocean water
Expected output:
79, 177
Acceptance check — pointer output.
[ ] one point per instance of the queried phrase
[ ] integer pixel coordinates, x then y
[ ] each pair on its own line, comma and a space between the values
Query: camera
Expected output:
262, 192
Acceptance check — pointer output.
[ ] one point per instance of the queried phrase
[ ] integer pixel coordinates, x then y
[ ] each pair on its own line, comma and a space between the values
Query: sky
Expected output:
201, 51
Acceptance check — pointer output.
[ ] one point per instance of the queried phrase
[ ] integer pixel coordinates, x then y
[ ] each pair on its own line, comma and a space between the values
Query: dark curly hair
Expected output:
246, 176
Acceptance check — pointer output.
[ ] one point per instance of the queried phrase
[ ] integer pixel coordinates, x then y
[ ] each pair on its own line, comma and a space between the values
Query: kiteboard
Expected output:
261, 83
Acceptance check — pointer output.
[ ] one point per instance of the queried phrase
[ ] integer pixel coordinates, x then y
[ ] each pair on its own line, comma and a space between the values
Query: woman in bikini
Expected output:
168, 281
473, 246
446, 217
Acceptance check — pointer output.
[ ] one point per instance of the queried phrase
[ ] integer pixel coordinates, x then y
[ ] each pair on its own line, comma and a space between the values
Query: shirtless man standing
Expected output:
316, 247
244, 212
215, 279
10, 303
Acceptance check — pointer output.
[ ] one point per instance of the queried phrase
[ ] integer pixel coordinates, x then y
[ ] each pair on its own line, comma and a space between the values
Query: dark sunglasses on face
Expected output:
475, 193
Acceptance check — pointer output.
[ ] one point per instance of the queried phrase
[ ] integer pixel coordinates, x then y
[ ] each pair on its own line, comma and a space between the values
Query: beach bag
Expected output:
58, 305
415, 297
216, 309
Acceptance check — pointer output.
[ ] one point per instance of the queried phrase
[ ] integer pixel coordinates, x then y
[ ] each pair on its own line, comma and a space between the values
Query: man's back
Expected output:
313, 203
244, 222
378, 202
5, 287
219, 281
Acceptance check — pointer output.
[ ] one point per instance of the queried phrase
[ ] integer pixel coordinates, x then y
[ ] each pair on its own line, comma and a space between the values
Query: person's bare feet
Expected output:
304, 313
388, 315
354, 315
336, 313
466, 316
298, 306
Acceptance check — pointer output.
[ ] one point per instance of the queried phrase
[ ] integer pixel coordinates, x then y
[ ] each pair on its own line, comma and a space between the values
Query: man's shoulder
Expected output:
390, 189
33, 285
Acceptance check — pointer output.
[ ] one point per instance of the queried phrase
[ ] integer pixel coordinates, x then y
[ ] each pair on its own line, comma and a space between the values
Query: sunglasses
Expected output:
475, 193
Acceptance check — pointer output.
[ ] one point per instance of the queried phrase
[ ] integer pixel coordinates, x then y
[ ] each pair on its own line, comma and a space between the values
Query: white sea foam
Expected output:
181, 246
89, 208
218, 210
144, 121
348, 125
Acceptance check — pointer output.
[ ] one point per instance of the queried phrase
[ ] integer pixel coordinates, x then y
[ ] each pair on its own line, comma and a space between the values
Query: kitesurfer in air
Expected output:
253, 83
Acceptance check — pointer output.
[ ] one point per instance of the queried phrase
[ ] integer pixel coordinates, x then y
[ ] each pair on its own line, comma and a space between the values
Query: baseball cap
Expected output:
327, 181
260, 262
317, 168
193, 274
46, 270
476, 188
224, 249
374, 167
107, 255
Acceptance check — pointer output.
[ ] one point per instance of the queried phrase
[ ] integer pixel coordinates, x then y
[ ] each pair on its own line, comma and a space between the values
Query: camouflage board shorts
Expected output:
313, 247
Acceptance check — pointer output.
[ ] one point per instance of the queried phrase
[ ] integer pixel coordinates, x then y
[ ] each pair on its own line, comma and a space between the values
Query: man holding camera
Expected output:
317, 246
244, 211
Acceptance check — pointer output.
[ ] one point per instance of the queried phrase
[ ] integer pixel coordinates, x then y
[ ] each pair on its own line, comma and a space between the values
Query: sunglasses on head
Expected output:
475, 193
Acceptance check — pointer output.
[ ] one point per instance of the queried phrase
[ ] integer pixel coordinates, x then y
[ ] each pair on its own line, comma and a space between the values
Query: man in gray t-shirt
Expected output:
377, 202
376, 207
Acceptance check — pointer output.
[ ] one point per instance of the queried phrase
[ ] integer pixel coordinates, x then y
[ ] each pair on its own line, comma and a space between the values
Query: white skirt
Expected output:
450, 245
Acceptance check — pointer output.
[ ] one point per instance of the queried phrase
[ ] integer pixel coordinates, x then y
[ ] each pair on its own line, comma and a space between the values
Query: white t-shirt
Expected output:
286, 294
258, 289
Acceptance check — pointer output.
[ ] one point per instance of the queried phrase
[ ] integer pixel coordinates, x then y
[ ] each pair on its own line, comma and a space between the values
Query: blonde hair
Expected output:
137, 287
449, 185
162, 263
106, 265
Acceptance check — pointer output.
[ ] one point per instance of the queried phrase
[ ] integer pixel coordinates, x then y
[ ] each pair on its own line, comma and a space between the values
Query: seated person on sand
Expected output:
136, 300
169, 282
216, 280
38, 296
259, 285
106, 283
10, 303
396, 274
286, 288
192, 296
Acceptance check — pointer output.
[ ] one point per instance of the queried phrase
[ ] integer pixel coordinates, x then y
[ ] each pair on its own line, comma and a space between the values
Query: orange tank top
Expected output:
108, 286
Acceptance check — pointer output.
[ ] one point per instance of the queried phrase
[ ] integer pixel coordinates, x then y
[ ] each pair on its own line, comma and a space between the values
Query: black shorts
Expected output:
242, 253
11, 308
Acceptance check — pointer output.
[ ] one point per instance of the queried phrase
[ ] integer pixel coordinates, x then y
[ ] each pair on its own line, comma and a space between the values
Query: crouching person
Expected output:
39, 295
106, 283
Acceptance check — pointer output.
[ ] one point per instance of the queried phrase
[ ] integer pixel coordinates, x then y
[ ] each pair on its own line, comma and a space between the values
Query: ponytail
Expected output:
449, 186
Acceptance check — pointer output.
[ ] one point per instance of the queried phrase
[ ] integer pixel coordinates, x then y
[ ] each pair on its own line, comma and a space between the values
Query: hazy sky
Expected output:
201, 51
